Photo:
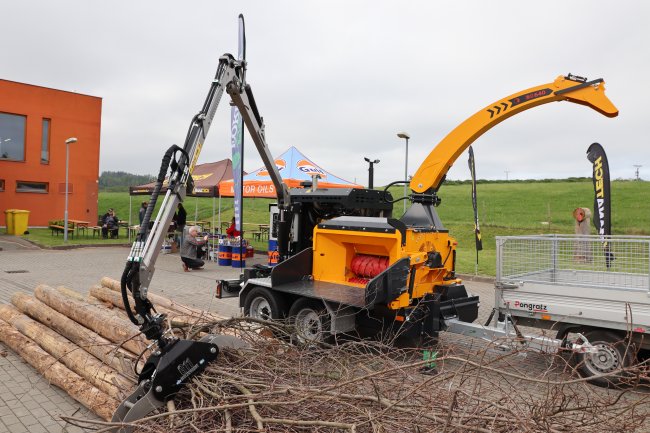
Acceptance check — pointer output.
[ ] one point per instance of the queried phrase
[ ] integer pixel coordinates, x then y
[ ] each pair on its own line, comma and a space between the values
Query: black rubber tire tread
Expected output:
276, 301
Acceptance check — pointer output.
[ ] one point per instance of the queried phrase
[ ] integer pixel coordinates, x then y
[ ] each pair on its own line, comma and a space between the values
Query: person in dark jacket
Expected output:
109, 224
143, 210
181, 219
190, 249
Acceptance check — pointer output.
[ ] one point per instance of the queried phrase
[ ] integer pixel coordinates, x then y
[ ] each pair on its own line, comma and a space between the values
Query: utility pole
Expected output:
637, 171
405, 136
68, 142
507, 171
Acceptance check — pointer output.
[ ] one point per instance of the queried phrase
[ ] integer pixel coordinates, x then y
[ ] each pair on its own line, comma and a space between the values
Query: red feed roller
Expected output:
358, 280
359, 265
367, 266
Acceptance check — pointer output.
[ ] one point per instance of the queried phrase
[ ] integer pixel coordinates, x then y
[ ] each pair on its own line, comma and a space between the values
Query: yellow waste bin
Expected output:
21, 220
9, 221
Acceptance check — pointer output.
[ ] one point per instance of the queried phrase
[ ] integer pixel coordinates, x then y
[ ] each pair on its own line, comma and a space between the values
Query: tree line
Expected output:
116, 181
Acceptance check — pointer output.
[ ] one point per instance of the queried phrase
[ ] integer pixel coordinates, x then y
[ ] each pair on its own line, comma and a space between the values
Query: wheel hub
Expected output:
308, 325
605, 360
260, 309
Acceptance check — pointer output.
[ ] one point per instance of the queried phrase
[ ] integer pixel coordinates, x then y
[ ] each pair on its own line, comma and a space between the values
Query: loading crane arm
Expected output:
174, 361
431, 173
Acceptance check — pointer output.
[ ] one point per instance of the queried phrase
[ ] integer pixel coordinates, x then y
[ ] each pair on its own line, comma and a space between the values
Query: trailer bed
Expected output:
339, 293
575, 279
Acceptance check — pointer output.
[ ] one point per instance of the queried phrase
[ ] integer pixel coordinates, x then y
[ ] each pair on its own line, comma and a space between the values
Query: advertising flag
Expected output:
477, 229
237, 139
602, 197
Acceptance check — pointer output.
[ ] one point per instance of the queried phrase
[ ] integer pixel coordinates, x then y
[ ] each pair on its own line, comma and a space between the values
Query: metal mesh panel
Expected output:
615, 262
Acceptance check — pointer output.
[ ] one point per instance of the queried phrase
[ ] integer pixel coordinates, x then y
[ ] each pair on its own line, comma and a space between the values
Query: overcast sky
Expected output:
339, 79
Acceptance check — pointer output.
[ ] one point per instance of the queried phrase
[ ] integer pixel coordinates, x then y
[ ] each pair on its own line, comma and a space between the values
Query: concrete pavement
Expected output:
27, 402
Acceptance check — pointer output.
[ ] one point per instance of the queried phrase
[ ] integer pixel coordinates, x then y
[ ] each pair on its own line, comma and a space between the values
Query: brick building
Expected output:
35, 122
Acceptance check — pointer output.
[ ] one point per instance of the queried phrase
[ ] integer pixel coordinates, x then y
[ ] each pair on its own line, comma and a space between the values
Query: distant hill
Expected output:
482, 181
117, 181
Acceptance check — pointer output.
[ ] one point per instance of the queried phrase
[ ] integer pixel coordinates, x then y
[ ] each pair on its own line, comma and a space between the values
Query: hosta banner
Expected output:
602, 197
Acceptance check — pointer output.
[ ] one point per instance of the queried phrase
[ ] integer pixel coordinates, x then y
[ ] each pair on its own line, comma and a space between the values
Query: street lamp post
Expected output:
371, 171
406, 137
68, 142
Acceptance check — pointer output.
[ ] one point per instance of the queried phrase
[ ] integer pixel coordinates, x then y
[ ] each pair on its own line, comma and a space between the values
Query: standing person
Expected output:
232, 230
143, 210
181, 219
190, 249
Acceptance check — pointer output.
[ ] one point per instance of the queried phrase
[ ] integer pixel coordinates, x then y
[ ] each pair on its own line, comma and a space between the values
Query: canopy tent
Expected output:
206, 180
294, 168
206, 184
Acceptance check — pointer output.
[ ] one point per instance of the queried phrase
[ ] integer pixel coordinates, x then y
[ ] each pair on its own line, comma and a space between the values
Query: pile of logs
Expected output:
85, 345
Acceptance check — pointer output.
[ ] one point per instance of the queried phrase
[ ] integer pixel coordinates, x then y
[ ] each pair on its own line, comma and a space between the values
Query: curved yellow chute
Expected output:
573, 89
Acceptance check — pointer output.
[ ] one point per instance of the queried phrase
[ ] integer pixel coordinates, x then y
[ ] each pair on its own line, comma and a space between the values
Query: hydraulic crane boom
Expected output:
433, 170
230, 77
175, 361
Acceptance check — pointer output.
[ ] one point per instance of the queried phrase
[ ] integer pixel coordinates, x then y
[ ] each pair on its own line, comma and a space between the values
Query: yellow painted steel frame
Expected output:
335, 249
418, 244
432, 171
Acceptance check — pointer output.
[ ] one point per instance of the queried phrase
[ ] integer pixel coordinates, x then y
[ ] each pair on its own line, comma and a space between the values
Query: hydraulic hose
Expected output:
125, 282
131, 270
397, 182
167, 158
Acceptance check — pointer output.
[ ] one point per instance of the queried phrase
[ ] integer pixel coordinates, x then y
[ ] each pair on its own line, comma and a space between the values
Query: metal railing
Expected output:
617, 262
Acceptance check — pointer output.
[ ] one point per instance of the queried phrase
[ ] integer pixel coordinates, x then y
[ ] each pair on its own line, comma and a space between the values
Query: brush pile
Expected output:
460, 385
361, 386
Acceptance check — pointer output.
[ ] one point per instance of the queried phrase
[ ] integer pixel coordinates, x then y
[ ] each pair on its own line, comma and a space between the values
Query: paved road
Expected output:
27, 402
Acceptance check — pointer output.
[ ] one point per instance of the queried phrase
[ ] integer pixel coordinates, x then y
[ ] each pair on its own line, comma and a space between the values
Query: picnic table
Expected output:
262, 232
204, 224
79, 226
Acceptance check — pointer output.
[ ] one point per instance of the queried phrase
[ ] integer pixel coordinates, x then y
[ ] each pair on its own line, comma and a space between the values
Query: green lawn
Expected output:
45, 237
512, 208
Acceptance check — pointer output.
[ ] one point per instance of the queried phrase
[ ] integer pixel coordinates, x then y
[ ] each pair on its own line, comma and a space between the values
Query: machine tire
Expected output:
310, 320
262, 303
613, 354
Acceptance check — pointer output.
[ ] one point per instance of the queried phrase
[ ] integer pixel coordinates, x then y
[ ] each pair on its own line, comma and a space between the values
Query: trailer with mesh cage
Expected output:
592, 285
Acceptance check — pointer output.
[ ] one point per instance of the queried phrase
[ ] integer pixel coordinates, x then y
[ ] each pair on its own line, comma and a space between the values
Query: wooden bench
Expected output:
113, 233
97, 231
260, 235
60, 229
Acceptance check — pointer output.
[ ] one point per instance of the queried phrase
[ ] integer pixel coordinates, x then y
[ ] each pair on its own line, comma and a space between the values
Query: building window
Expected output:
45, 142
37, 187
2, 185
12, 136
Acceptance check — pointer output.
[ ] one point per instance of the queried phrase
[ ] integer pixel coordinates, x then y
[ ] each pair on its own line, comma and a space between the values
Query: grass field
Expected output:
511, 208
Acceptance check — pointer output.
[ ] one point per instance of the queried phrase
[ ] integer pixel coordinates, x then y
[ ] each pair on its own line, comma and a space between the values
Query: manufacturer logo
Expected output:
197, 177
309, 168
279, 163
186, 368
537, 308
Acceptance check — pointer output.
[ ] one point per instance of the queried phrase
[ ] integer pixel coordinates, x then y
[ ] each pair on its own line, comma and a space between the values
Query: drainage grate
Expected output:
20, 271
